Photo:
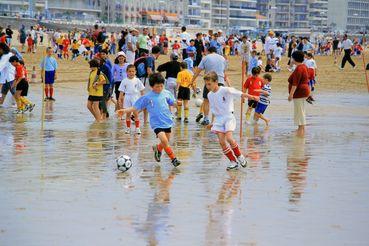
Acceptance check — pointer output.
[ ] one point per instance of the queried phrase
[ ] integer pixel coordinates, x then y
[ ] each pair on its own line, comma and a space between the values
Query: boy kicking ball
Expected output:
222, 107
157, 103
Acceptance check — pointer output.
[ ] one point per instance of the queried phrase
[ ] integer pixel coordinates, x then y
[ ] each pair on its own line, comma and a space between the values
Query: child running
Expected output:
252, 85
95, 89
21, 85
184, 79
265, 93
130, 90
66, 44
221, 105
311, 65
157, 103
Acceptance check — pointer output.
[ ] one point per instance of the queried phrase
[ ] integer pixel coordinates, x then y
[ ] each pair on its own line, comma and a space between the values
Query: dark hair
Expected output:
183, 29
198, 34
183, 65
298, 56
212, 49
5, 48
310, 55
156, 78
94, 63
155, 50
192, 40
268, 77
116, 61
13, 59
104, 51
131, 66
255, 70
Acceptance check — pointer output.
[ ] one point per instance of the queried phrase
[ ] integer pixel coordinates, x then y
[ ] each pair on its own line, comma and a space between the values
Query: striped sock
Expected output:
229, 153
236, 149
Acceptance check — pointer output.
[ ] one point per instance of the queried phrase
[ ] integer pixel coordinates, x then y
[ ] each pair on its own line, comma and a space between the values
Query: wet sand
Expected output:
59, 185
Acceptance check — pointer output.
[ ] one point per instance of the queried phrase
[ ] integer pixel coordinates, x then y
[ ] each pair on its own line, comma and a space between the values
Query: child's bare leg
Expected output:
186, 109
164, 144
145, 116
261, 116
96, 111
179, 109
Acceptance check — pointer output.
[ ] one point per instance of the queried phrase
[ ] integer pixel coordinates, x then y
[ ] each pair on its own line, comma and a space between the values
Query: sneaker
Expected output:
199, 117
176, 162
355, 67
51, 99
205, 122
186, 120
179, 118
18, 111
341, 68
127, 131
46, 99
138, 131
232, 166
30, 107
157, 153
242, 161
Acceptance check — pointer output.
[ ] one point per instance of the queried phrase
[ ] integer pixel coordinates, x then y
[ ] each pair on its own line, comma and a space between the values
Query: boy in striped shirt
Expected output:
264, 101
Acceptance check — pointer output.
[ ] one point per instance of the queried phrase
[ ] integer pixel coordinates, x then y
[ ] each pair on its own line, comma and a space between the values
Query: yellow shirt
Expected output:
99, 90
184, 78
59, 41
75, 46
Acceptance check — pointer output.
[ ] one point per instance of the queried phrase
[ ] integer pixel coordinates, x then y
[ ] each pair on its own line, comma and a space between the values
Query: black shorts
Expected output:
7, 87
22, 86
159, 130
60, 47
95, 98
184, 93
75, 52
88, 48
252, 103
205, 92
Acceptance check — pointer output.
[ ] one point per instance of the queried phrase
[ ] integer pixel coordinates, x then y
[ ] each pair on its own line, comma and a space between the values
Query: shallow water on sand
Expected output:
60, 186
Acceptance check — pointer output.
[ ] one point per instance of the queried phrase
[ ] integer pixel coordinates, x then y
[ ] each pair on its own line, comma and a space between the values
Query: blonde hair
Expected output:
212, 76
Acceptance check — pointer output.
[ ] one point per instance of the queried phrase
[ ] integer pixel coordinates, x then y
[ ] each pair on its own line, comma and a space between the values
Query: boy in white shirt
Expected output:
131, 88
221, 105
278, 56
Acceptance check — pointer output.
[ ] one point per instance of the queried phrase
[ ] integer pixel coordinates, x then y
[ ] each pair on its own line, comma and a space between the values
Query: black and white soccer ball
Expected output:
124, 163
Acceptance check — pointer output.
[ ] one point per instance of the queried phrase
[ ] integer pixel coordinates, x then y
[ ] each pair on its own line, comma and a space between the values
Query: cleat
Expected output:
232, 166
176, 162
242, 161
127, 131
51, 99
157, 153
138, 131
199, 117
186, 120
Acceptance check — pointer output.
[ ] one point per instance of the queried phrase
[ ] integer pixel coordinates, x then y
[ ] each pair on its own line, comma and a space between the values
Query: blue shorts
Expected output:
49, 77
311, 84
260, 108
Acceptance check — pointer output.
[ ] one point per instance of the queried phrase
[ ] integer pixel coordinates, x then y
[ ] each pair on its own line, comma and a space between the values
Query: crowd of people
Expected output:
133, 82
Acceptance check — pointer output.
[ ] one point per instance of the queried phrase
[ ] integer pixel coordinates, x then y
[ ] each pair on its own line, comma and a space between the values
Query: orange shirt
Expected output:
66, 43
3, 39
20, 72
252, 84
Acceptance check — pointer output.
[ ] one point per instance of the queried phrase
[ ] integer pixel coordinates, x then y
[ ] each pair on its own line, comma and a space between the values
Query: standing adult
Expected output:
22, 37
290, 48
270, 44
185, 41
200, 49
9, 35
347, 47
6, 71
245, 56
298, 88
221, 40
171, 68
211, 62
142, 42
307, 46
336, 50
131, 45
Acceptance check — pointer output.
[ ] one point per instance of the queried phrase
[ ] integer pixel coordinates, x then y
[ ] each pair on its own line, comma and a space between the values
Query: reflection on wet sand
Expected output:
156, 227
257, 146
297, 164
219, 227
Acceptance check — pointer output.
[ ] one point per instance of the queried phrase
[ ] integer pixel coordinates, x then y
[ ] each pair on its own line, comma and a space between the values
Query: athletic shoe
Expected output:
18, 111
205, 122
341, 68
138, 131
179, 118
127, 131
199, 117
30, 107
157, 153
355, 67
51, 99
232, 166
242, 161
46, 99
186, 120
176, 162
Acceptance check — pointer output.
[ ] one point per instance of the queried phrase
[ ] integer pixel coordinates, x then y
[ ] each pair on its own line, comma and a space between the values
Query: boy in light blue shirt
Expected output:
157, 102
253, 62
48, 66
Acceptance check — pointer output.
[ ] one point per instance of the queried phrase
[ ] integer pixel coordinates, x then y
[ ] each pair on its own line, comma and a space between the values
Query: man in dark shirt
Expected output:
199, 45
9, 35
172, 68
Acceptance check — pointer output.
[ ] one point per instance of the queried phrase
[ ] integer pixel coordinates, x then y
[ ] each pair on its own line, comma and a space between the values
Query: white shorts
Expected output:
299, 111
130, 57
245, 58
224, 124
171, 85
129, 100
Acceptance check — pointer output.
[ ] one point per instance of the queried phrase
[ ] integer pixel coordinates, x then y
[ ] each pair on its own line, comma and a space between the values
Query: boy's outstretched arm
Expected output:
121, 112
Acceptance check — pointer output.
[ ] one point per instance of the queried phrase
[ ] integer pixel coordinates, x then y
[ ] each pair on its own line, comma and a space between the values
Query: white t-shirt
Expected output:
245, 48
278, 52
270, 44
185, 39
221, 102
131, 86
5, 66
347, 44
310, 63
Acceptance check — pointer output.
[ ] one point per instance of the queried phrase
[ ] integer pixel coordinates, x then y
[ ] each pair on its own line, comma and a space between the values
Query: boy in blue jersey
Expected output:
157, 103
264, 101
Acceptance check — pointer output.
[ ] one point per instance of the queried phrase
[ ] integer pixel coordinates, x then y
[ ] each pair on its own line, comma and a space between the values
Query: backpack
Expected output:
141, 67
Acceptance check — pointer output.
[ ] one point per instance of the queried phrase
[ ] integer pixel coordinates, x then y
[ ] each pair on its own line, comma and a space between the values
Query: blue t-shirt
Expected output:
189, 62
49, 63
157, 104
253, 63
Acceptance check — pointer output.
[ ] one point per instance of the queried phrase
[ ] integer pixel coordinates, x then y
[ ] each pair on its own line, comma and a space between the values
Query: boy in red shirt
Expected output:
66, 44
29, 43
176, 47
21, 85
252, 85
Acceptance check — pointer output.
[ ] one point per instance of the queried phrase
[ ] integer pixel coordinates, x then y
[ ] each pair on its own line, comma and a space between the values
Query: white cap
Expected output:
121, 53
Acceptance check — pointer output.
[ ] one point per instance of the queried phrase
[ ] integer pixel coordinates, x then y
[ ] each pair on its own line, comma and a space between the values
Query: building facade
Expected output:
349, 15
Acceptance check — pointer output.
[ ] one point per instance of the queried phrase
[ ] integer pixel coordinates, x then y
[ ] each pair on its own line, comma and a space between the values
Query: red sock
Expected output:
51, 91
229, 153
169, 152
128, 123
137, 123
47, 92
160, 147
236, 149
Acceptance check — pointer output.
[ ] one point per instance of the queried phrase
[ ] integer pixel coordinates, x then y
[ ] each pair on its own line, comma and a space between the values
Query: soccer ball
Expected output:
124, 163
198, 102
